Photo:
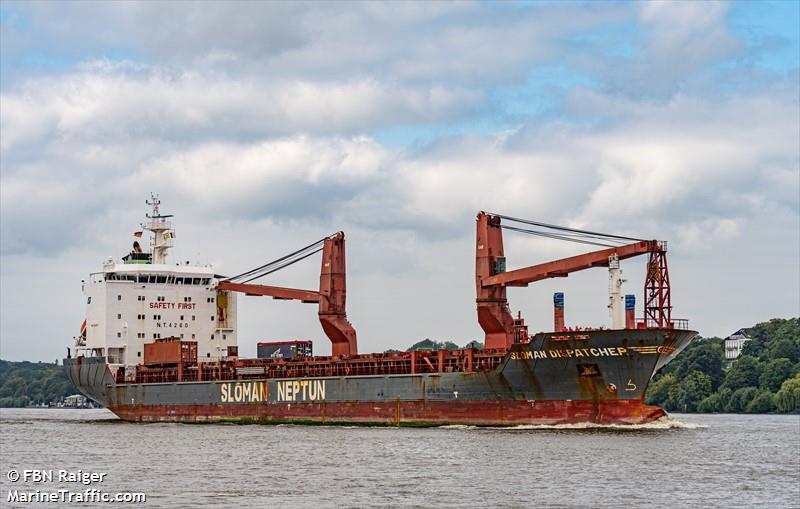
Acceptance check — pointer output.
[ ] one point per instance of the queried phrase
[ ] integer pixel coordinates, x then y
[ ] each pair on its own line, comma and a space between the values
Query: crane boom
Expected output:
331, 296
276, 292
492, 279
566, 266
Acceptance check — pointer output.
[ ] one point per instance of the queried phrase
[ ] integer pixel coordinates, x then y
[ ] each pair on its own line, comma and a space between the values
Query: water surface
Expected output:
686, 461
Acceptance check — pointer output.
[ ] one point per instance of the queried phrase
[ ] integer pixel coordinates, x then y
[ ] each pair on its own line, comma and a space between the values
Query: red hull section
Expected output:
408, 413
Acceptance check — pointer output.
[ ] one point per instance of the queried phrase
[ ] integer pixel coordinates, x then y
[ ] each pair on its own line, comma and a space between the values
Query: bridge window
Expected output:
116, 355
178, 280
162, 279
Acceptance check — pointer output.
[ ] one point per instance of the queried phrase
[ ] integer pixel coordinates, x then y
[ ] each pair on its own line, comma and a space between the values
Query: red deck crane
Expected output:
331, 295
491, 278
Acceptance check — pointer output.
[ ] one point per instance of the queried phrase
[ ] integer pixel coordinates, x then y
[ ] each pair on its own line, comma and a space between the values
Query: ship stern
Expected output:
91, 376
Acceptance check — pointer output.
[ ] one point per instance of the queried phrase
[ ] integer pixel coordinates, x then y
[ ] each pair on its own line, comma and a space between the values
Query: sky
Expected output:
265, 126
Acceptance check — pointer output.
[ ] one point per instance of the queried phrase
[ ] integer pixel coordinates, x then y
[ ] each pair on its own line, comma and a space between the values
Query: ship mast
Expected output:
163, 231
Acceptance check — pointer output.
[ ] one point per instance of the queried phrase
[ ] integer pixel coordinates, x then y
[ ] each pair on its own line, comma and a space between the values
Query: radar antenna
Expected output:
162, 229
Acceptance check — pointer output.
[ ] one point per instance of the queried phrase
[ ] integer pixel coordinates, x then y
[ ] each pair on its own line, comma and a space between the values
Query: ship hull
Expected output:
589, 377
402, 413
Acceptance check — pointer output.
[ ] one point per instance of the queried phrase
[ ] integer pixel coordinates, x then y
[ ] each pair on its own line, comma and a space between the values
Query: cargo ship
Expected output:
159, 343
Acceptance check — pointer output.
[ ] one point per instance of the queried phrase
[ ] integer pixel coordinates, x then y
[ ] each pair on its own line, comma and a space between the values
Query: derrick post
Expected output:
333, 293
558, 311
657, 303
630, 311
494, 315
520, 329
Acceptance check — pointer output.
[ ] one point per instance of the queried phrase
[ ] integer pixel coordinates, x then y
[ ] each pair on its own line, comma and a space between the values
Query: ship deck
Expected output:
395, 363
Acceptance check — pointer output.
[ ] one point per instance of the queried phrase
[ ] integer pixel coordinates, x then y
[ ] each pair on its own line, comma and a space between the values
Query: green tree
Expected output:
686, 394
14, 387
706, 357
766, 333
426, 345
740, 399
430, 345
716, 403
785, 348
761, 403
788, 397
745, 372
23, 383
774, 373
658, 391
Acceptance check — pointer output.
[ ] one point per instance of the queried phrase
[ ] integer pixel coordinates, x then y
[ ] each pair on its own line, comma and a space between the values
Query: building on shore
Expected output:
734, 345
76, 401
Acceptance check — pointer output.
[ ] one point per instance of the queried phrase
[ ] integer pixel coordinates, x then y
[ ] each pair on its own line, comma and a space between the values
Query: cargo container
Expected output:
284, 349
170, 351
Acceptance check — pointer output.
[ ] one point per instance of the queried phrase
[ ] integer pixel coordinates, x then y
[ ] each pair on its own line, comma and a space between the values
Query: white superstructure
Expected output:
143, 298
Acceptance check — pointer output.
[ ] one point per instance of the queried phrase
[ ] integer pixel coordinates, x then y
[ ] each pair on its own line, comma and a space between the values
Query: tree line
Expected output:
765, 378
32, 383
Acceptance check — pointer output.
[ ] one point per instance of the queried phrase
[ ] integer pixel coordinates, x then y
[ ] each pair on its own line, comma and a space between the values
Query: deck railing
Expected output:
402, 363
649, 323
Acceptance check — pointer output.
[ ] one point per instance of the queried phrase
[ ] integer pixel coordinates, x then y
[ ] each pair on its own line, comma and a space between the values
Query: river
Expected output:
683, 461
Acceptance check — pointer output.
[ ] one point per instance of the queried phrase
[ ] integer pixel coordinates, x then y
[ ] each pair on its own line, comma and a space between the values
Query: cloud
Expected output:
297, 177
650, 159
109, 102
463, 43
